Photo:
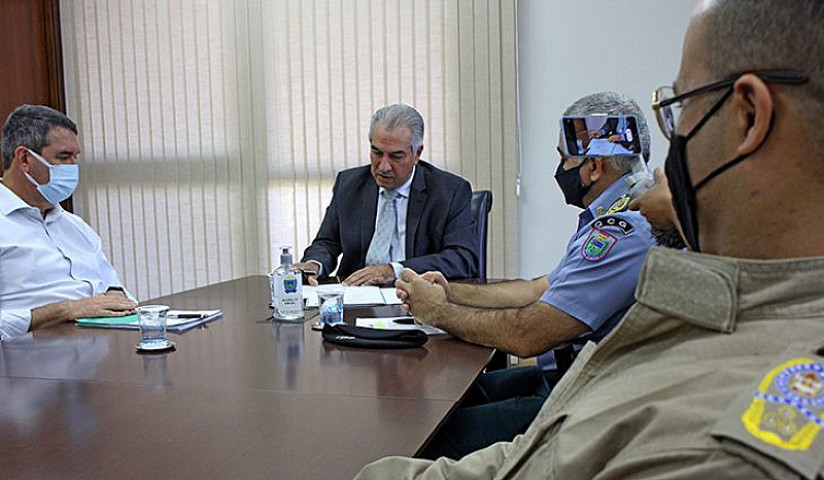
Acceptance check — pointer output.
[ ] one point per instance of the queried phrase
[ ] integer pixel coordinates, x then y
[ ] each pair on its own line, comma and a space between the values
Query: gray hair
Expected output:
612, 103
746, 35
397, 115
29, 126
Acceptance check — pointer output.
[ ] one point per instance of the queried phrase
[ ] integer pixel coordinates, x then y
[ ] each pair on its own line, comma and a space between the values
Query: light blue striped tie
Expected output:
385, 231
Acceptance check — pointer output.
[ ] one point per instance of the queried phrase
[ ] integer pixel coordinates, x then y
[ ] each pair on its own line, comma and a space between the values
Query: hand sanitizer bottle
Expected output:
286, 284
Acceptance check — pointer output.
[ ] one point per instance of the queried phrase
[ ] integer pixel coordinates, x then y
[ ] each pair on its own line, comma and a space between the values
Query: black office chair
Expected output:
481, 205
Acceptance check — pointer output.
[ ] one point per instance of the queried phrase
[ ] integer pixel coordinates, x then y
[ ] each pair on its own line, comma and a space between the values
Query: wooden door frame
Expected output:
46, 56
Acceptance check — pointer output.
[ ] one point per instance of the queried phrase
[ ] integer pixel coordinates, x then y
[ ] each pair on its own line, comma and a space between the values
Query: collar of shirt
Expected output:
604, 201
10, 203
403, 190
608, 197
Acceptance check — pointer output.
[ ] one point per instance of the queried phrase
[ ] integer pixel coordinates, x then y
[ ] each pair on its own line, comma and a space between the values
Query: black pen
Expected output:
187, 315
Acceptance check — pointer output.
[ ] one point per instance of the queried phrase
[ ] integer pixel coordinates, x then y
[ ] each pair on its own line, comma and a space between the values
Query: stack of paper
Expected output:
397, 323
361, 295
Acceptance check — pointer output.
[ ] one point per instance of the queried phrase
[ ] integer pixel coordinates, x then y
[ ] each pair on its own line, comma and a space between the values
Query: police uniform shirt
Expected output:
717, 372
595, 280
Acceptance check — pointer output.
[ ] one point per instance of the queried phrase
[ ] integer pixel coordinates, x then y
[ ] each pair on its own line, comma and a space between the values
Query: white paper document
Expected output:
397, 323
310, 296
390, 296
360, 295
363, 295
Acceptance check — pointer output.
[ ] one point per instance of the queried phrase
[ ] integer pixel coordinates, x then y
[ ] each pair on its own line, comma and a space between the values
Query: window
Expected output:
212, 131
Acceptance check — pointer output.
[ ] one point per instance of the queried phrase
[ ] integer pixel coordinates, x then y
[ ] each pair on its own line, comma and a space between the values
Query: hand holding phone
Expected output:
639, 180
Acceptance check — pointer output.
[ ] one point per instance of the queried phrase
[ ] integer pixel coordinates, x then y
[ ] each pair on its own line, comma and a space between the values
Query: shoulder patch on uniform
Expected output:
613, 221
597, 245
619, 205
783, 416
786, 408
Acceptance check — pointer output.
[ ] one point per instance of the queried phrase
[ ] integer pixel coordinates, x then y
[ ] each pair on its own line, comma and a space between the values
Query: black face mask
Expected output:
680, 183
570, 183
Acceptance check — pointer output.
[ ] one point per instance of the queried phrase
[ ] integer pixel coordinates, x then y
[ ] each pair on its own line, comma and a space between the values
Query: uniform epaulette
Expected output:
619, 205
613, 221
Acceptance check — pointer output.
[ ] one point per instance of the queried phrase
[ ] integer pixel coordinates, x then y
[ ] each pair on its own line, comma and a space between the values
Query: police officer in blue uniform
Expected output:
552, 316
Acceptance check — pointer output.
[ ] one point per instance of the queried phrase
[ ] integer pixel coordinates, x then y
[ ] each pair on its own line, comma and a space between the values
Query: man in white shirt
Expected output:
52, 267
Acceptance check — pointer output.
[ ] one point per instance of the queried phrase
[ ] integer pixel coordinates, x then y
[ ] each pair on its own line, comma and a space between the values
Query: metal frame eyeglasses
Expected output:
664, 98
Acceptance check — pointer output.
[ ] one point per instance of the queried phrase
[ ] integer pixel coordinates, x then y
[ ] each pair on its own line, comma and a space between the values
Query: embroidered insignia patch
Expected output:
597, 245
619, 205
787, 410
610, 221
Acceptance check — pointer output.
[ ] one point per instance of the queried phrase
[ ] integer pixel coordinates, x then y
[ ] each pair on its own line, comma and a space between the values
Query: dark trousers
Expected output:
498, 406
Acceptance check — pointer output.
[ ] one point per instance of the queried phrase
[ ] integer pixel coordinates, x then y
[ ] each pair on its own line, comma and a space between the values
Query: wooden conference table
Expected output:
242, 398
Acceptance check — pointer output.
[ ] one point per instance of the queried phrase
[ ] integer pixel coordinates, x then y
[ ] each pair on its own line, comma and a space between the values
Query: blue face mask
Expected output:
62, 181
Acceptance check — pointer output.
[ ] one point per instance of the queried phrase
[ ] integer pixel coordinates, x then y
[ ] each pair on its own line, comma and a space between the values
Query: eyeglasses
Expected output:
667, 104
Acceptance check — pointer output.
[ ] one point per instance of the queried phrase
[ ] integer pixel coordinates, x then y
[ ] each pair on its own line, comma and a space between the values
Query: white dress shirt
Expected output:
401, 204
44, 261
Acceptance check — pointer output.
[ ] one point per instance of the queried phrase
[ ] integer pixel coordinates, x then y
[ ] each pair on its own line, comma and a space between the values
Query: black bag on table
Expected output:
362, 337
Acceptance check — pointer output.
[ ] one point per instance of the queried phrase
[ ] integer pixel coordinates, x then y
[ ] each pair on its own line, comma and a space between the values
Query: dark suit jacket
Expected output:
440, 230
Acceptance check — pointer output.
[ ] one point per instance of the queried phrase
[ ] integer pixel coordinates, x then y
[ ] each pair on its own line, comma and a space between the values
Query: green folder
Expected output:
175, 324
129, 321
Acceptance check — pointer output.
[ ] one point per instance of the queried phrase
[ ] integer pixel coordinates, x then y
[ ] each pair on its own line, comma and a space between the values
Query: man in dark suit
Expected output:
396, 212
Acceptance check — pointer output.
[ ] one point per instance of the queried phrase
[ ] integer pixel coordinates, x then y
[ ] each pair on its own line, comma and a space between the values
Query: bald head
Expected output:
746, 35
750, 144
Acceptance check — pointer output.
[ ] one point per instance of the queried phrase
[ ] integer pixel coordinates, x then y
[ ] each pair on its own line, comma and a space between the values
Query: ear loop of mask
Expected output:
735, 161
692, 190
710, 113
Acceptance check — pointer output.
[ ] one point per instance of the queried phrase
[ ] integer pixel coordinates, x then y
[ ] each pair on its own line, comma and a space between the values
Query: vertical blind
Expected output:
212, 130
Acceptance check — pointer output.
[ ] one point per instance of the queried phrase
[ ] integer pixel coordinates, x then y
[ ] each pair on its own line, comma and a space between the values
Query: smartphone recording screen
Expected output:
601, 136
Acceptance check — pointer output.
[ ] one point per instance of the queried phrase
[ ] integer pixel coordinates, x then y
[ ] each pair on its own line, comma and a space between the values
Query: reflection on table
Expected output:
54, 358
241, 398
